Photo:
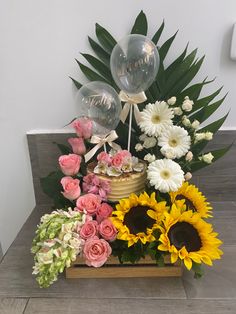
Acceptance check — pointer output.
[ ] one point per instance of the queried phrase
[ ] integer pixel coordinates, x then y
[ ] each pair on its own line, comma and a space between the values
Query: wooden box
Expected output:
113, 269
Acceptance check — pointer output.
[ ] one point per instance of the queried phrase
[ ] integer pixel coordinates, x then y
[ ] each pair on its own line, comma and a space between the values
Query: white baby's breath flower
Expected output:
186, 122
188, 176
138, 147
187, 104
189, 156
149, 142
171, 101
207, 158
177, 111
155, 118
165, 175
195, 124
175, 139
208, 136
150, 158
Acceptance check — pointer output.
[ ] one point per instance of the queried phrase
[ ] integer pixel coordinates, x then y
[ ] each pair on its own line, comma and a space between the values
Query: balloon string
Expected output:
105, 148
130, 125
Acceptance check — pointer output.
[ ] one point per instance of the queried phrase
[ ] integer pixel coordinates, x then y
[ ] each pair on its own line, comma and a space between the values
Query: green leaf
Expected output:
204, 113
194, 91
214, 126
100, 52
166, 46
198, 270
174, 65
187, 78
206, 100
158, 33
90, 74
65, 150
140, 24
197, 165
77, 84
99, 66
105, 38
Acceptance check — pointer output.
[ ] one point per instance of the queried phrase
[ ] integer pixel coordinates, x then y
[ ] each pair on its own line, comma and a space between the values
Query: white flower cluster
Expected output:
159, 130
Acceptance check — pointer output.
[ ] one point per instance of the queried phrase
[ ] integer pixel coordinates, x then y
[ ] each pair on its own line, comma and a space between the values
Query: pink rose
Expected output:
70, 164
104, 158
88, 203
89, 229
92, 184
71, 188
104, 211
96, 252
83, 127
77, 145
124, 153
107, 230
117, 161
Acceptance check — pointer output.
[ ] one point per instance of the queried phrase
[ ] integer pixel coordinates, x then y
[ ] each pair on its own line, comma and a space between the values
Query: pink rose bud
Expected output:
103, 212
83, 127
89, 229
77, 145
104, 158
71, 188
117, 161
88, 203
107, 230
70, 164
96, 252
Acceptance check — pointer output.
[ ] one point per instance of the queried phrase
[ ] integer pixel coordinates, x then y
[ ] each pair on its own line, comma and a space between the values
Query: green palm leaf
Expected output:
105, 38
140, 25
158, 33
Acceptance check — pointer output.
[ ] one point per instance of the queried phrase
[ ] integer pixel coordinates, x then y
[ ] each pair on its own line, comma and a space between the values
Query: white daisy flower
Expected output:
166, 175
155, 118
175, 139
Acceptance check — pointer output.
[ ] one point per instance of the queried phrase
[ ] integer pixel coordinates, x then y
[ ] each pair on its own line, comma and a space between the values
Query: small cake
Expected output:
124, 184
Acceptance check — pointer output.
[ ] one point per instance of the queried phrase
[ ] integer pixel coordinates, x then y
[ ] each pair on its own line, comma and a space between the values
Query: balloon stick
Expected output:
130, 126
105, 148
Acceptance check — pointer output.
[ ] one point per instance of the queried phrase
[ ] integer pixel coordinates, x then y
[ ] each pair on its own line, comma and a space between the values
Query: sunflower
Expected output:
190, 198
187, 236
132, 219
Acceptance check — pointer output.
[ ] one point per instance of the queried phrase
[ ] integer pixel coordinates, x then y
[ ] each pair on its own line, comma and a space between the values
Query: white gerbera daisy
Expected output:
166, 175
175, 139
155, 117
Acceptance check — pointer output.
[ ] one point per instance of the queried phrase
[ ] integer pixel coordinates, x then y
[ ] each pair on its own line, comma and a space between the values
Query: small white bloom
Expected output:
168, 152
171, 101
195, 124
186, 122
177, 111
189, 156
149, 158
101, 168
188, 176
199, 137
175, 139
187, 104
166, 175
149, 142
67, 237
207, 158
142, 137
138, 167
155, 118
138, 147
208, 136
113, 172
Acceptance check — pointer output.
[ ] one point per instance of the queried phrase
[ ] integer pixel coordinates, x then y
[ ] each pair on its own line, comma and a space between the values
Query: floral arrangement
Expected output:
169, 216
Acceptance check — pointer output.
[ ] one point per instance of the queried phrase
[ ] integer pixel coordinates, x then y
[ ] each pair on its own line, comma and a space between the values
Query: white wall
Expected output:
38, 43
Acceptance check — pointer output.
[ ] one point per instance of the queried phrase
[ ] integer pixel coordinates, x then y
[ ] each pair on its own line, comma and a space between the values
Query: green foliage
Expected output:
198, 270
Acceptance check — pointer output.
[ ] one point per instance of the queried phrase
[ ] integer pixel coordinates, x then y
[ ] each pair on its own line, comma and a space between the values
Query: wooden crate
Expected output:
113, 269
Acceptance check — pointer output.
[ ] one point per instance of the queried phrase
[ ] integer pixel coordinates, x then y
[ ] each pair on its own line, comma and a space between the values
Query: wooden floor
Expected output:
215, 293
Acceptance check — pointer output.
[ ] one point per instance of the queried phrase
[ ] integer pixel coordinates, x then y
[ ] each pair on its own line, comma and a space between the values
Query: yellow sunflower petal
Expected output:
188, 262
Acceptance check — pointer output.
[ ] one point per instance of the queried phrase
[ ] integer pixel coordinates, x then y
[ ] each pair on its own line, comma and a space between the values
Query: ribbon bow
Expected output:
131, 100
100, 141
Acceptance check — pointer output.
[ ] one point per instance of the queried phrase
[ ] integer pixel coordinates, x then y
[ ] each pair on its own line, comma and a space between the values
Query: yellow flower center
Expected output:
156, 119
173, 142
165, 174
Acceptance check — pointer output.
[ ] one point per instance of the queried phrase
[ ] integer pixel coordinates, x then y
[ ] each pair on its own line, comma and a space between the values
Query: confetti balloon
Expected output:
134, 63
100, 103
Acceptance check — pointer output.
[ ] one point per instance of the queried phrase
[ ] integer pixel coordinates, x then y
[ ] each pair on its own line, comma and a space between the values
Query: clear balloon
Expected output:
100, 103
134, 63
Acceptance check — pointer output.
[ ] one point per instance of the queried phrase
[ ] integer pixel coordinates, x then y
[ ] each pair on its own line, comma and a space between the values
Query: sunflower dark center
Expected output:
184, 234
188, 203
137, 219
